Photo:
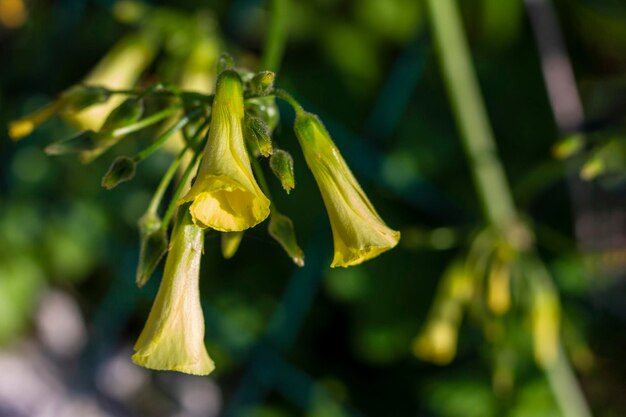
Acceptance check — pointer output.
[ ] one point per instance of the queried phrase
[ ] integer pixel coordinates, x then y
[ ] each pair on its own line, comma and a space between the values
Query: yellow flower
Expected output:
173, 338
24, 126
119, 69
359, 233
225, 195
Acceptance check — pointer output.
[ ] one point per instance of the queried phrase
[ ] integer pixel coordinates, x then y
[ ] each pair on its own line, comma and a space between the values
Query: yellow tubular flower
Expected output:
173, 338
225, 194
119, 69
359, 233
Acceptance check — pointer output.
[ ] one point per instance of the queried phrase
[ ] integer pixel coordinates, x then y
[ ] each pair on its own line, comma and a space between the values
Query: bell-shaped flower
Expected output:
173, 337
225, 195
359, 233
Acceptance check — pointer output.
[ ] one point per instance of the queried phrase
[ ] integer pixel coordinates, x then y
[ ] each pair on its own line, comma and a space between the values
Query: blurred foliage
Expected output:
347, 60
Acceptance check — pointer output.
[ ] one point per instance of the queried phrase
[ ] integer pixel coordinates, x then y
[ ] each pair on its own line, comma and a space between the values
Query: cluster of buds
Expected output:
227, 134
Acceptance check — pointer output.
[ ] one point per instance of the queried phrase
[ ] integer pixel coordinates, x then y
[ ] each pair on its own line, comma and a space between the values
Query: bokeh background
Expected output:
311, 341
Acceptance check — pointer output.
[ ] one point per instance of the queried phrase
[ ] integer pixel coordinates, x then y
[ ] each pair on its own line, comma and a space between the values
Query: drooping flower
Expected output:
359, 233
119, 69
173, 337
225, 195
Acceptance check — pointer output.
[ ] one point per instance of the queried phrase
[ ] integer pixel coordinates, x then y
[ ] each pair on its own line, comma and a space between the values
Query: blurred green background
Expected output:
312, 341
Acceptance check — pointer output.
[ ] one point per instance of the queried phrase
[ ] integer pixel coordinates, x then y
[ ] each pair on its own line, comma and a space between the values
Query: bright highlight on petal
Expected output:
225, 195
173, 338
359, 233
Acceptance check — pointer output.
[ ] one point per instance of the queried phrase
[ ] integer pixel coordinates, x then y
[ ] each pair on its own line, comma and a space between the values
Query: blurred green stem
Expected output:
471, 116
276, 36
487, 171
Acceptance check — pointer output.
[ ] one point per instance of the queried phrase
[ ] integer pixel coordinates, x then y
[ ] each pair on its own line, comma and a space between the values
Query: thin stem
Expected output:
276, 37
471, 116
143, 123
179, 189
260, 176
488, 173
282, 94
165, 181
143, 154
565, 387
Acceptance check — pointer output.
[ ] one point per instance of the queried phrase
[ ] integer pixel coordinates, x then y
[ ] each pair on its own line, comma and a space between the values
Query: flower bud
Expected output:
225, 63
281, 164
230, 243
264, 108
257, 135
86, 140
568, 147
545, 316
282, 230
262, 83
152, 248
80, 97
128, 112
24, 126
121, 170
498, 291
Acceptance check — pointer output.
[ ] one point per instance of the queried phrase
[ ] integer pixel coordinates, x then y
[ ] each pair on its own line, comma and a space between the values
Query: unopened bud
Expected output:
568, 147
225, 63
152, 248
80, 97
121, 170
257, 135
282, 230
230, 243
86, 140
281, 164
262, 83
265, 108
123, 115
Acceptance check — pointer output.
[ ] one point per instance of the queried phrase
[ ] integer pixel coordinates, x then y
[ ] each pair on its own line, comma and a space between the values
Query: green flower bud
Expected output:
264, 108
83, 141
281, 229
80, 97
121, 170
224, 63
281, 164
262, 83
257, 135
129, 112
230, 243
152, 248
568, 147
608, 158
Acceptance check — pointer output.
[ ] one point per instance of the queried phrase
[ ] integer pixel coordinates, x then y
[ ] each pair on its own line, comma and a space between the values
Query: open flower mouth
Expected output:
226, 205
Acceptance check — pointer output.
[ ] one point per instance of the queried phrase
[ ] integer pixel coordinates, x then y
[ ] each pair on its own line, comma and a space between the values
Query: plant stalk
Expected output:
487, 171
468, 106
276, 36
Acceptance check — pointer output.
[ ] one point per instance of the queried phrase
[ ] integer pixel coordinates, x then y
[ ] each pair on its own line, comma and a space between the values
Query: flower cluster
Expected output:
225, 136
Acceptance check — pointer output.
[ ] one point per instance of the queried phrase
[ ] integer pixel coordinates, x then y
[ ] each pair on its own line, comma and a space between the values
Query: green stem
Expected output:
565, 387
165, 136
143, 123
487, 171
179, 189
471, 116
165, 181
282, 94
260, 176
276, 37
